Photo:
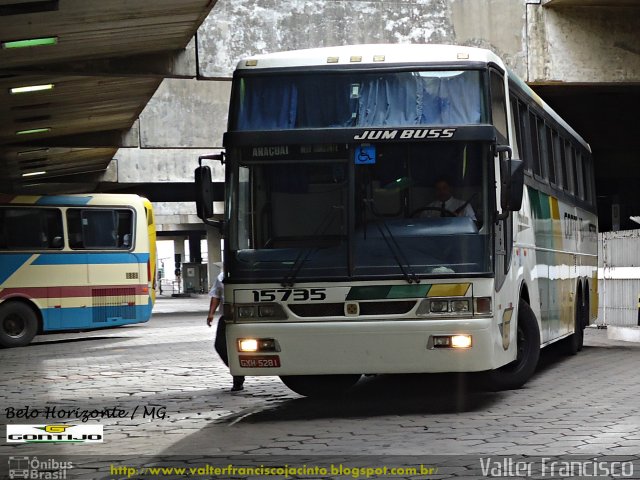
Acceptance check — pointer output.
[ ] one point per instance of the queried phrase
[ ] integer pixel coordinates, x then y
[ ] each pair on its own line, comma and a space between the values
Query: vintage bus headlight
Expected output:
460, 306
257, 345
246, 311
439, 306
265, 311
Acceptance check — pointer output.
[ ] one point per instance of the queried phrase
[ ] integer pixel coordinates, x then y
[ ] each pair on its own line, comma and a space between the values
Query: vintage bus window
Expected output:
515, 118
548, 149
100, 228
535, 144
498, 104
561, 165
30, 228
578, 174
359, 99
568, 155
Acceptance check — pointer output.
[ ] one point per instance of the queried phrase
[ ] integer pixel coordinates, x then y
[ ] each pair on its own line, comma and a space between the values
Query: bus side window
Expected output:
515, 119
548, 150
74, 229
125, 228
577, 172
31, 228
498, 103
561, 162
535, 145
568, 153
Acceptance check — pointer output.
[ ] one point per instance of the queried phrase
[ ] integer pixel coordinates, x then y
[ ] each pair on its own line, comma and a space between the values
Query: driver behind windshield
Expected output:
446, 205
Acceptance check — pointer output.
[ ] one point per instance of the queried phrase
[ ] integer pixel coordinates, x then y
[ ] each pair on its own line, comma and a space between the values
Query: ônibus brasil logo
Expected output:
54, 433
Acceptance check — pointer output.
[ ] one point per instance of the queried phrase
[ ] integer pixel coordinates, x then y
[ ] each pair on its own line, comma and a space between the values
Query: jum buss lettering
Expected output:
55, 413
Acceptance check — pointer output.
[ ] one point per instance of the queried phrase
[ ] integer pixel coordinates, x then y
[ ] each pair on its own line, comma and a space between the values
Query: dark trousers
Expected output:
221, 345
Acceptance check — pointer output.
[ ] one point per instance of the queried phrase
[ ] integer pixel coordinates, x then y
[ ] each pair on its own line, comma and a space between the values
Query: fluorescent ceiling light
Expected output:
33, 130
30, 42
33, 174
32, 152
31, 88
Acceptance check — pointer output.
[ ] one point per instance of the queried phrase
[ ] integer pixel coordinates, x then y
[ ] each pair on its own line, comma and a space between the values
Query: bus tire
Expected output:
18, 324
516, 373
320, 386
573, 343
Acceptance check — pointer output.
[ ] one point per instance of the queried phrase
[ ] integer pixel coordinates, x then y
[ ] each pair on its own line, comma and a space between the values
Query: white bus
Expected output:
74, 262
400, 209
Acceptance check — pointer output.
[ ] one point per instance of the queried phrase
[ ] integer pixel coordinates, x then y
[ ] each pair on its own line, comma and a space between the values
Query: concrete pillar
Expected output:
195, 251
214, 253
178, 249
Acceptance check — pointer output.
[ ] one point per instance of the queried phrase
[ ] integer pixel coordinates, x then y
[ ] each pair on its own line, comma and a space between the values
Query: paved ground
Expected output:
583, 404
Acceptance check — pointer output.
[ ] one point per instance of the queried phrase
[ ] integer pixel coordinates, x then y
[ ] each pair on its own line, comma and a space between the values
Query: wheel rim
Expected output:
14, 326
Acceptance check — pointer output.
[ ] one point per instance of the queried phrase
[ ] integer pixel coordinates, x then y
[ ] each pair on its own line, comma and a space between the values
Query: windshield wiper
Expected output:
290, 278
398, 254
393, 245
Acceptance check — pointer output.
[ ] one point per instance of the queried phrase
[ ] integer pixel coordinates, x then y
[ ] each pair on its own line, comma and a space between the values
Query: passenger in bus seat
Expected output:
217, 298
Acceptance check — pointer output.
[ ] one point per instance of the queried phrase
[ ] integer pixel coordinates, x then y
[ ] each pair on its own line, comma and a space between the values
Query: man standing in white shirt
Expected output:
217, 298
447, 203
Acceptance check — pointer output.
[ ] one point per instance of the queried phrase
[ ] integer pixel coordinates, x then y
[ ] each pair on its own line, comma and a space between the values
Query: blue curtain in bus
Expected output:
401, 99
270, 104
410, 99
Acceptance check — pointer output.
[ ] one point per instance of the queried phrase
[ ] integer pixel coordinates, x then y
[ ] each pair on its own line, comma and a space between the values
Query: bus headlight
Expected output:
263, 311
460, 306
247, 345
246, 311
461, 341
439, 306
450, 341
258, 345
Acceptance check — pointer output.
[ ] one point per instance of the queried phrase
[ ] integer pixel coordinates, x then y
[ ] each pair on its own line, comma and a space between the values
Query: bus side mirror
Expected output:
512, 178
204, 196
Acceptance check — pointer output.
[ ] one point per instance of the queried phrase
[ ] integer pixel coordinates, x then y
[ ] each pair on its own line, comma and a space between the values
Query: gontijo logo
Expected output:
54, 433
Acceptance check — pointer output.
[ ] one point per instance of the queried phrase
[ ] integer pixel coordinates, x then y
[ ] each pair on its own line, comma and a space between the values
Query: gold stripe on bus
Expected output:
25, 199
449, 290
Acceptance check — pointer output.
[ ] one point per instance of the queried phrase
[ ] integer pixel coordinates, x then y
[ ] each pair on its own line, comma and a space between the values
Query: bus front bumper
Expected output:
366, 347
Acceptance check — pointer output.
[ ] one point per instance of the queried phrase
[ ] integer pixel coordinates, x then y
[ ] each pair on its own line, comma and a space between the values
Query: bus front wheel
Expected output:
321, 386
18, 324
516, 373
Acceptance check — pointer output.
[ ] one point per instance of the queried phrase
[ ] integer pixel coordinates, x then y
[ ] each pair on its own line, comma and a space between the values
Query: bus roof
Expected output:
376, 54
112, 199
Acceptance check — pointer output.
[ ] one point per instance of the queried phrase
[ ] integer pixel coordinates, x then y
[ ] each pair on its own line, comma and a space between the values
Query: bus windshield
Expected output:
419, 208
359, 99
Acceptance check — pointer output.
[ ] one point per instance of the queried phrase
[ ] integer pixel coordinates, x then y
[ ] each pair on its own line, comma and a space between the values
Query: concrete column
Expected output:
214, 253
195, 251
178, 248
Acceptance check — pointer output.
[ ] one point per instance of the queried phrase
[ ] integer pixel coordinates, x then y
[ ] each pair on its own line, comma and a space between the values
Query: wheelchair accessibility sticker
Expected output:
365, 155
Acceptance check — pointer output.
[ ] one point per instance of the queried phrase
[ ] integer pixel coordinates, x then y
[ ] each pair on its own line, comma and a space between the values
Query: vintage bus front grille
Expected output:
366, 308
113, 304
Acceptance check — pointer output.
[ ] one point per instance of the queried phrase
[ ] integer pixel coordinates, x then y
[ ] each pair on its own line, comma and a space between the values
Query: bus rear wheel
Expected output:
573, 343
320, 386
18, 324
516, 373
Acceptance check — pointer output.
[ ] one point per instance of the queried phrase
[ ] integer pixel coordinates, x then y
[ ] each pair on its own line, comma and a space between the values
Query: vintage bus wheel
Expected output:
573, 343
18, 324
320, 385
516, 373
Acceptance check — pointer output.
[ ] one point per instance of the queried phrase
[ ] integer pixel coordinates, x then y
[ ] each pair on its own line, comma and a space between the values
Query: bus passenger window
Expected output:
100, 228
568, 154
548, 149
30, 228
498, 104
561, 161
577, 172
535, 144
